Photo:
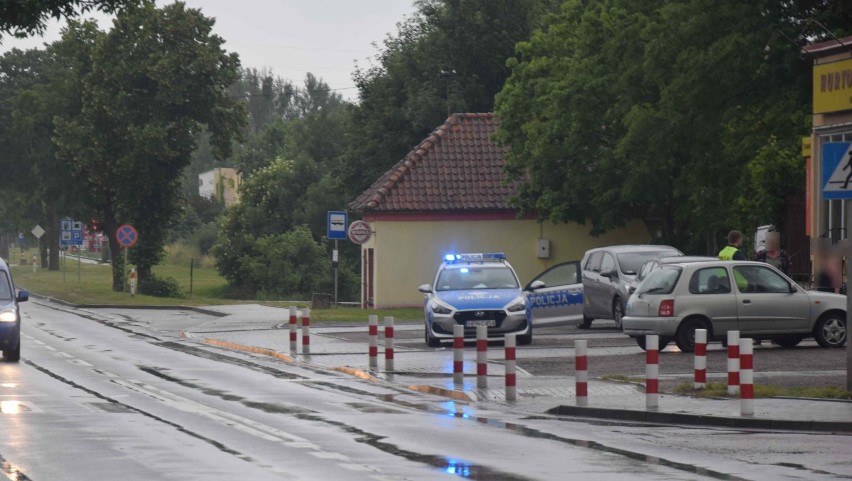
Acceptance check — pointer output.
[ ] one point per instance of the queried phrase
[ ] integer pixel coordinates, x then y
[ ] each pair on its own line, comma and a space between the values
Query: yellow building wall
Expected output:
227, 182
408, 253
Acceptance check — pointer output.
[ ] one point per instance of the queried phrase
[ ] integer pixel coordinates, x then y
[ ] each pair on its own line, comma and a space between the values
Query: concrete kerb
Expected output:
683, 419
361, 374
65, 303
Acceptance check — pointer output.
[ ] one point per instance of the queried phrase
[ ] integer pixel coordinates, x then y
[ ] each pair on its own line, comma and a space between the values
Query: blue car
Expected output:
10, 315
475, 290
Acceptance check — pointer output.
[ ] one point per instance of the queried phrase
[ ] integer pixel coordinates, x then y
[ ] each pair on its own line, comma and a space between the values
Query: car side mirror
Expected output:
793, 288
425, 288
23, 296
631, 290
537, 285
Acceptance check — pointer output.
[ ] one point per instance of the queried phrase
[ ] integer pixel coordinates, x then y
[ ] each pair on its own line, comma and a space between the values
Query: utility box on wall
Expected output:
544, 248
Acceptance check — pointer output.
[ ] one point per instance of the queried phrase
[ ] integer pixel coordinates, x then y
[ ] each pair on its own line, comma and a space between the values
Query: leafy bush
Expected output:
160, 287
276, 266
204, 238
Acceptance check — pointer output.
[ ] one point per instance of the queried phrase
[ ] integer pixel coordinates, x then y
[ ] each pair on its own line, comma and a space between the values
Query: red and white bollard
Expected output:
581, 372
34, 263
481, 357
306, 331
373, 330
747, 377
389, 343
294, 328
700, 358
511, 375
733, 362
458, 354
652, 371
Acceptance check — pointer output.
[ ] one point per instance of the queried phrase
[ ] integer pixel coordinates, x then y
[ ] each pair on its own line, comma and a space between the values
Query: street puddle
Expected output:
445, 464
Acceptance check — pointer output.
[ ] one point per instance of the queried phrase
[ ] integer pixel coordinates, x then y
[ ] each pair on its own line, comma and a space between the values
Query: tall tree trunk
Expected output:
116, 251
52, 233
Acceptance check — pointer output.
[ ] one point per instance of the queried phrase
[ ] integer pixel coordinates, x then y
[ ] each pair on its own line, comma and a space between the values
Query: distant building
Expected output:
222, 184
448, 195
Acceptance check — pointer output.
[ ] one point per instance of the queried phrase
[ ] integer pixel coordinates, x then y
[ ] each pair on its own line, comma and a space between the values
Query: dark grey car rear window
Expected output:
5, 287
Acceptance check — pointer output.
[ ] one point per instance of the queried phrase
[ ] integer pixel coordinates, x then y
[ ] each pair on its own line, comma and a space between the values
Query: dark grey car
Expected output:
609, 273
10, 315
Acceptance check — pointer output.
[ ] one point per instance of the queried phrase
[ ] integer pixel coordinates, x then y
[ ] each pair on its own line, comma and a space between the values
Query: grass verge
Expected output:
95, 287
95, 284
355, 314
714, 389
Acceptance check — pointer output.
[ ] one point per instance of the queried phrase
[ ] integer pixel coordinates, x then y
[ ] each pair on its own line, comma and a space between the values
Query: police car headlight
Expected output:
8, 316
439, 308
518, 304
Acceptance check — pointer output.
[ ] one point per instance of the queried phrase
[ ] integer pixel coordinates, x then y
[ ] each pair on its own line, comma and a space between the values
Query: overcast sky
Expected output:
290, 37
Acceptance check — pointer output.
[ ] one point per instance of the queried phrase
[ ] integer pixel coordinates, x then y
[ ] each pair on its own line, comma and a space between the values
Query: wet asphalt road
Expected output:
114, 401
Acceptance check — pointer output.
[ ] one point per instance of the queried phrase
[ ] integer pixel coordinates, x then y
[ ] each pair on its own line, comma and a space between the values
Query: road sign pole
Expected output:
124, 271
335, 259
848, 301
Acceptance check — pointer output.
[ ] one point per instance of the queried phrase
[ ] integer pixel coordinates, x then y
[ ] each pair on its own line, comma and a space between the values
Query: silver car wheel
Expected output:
833, 330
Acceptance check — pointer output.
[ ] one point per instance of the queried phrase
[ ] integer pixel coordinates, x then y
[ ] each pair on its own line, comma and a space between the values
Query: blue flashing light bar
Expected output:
475, 256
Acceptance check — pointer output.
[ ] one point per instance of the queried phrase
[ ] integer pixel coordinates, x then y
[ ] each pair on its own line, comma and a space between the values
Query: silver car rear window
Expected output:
662, 281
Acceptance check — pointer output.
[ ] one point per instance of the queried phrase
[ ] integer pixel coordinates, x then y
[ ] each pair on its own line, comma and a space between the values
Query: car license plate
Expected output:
488, 323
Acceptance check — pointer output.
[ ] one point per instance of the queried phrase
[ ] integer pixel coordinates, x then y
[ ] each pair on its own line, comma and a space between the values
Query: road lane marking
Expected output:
231, 420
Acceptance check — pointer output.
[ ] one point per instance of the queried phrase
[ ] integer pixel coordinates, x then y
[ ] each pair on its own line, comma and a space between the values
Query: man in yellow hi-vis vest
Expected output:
732, 252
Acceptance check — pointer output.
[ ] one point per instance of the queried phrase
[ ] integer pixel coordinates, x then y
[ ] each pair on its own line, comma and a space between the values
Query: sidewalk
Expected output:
431, 371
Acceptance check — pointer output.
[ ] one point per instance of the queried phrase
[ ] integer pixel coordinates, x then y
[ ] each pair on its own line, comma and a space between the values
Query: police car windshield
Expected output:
476, 277
630, 262
5, 287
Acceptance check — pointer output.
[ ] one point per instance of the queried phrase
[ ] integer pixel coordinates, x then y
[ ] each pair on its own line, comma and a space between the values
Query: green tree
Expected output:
158, 76
659, 111
448, 56
25, 18
43, 85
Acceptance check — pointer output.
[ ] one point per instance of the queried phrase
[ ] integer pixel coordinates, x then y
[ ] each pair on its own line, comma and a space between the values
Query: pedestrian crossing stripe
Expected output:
837, 170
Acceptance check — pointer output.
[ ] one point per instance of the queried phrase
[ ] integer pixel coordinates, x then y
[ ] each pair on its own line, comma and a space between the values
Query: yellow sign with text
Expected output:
833, 87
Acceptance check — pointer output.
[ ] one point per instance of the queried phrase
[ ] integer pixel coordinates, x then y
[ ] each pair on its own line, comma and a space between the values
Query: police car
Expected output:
10, 315
479, 289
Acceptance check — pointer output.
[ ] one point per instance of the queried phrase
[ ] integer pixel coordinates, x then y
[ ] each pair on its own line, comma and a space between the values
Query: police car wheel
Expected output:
526, 339
586, 323
431, 341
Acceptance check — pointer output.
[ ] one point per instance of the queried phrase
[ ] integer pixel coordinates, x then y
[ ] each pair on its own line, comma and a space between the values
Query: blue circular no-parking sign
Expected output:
126, 235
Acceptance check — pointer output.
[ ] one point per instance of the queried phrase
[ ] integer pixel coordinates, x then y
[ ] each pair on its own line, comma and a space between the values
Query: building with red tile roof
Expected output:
451, 194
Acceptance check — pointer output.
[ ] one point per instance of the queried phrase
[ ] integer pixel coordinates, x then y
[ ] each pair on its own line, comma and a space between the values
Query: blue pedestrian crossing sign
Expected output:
837, 170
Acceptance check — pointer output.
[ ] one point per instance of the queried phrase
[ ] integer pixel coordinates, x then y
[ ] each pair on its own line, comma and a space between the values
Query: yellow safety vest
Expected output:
727, 254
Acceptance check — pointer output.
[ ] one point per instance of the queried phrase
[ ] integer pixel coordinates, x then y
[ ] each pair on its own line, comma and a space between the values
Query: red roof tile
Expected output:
458, 167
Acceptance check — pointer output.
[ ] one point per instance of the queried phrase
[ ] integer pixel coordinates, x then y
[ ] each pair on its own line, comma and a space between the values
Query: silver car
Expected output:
751, 297
608, 275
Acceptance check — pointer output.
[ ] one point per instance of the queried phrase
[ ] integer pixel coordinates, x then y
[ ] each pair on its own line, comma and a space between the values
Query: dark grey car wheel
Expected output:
617, 311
